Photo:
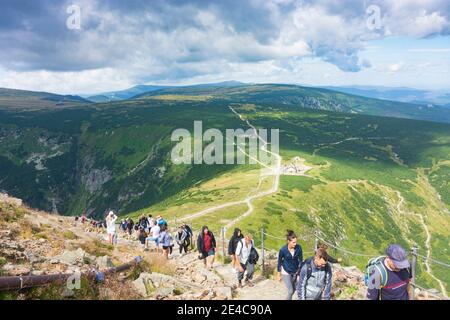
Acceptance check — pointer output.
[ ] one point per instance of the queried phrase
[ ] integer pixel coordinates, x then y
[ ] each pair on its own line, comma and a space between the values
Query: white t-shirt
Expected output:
155, 231
111, 224
243, 251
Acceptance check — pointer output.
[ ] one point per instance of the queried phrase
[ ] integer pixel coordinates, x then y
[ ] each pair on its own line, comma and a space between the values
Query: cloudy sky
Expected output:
122, 43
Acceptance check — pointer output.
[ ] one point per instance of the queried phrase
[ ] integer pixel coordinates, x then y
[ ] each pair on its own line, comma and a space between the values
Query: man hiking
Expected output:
237, 236
181, 237
206, 245
315, 277
290, 258
154, 236
388, 277
130, 226
245, 254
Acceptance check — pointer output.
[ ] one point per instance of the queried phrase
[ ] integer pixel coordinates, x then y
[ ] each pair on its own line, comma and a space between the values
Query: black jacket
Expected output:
234, 241
201, 243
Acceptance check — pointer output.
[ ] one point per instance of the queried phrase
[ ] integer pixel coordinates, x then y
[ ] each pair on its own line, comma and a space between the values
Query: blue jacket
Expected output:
290, 263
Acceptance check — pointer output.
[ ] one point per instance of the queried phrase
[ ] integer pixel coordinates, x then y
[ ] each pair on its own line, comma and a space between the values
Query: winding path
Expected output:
427, 242
276, 171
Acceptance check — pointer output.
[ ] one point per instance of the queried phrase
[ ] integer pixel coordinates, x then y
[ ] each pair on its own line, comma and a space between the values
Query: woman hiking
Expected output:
206, 245
290, 258
111, 226
166, 241
237, 236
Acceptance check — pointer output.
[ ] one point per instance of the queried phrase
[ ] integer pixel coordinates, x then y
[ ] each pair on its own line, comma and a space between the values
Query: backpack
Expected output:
307, 262
188, 231
376, 264
254, 256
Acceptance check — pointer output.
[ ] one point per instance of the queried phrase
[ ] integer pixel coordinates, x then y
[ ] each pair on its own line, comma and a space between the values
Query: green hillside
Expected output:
371, 180
22, 100
311, 98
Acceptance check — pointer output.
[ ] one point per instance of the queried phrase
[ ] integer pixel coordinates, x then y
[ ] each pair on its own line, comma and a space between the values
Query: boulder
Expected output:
143, 284
104, 262
163, 293
224, 293
16, 270
72, 257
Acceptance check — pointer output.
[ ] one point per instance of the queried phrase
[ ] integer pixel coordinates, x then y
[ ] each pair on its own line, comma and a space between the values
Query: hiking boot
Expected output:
239, 285
249, 283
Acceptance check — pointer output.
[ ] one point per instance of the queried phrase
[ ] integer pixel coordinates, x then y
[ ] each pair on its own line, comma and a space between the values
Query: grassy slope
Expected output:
351, 194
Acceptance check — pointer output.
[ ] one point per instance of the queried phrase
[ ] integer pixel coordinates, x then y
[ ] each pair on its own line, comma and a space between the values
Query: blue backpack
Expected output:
376, 265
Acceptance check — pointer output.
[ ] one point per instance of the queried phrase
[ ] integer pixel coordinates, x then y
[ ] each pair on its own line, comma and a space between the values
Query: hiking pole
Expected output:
262, 250
413, 269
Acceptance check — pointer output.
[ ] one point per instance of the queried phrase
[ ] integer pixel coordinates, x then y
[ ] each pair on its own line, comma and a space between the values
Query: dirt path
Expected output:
276, 171
400, 210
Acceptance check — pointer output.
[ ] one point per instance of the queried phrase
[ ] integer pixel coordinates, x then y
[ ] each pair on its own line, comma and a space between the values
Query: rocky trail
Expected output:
38, 243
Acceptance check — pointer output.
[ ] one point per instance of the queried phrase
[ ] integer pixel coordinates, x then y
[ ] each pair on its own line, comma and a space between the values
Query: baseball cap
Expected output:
398, 256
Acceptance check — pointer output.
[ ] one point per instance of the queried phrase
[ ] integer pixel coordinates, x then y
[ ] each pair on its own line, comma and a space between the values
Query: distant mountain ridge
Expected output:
142, 89
32, 100
310, 98
409, 95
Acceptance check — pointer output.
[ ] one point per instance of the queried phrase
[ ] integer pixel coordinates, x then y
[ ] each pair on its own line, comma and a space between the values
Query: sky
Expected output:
92, 46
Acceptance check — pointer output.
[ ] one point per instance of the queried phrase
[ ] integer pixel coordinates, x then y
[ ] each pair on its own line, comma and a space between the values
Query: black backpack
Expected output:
254, 256
188, 231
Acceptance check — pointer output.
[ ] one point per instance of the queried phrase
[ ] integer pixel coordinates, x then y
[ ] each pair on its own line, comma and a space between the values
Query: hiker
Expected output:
111, 226
123, 226
315, 277
181, 239
247, 258
155, 231
150, 223
330, 258
388, 277
143, 222
166, 241
190, 236
142, 236
206, 245
290, 258
130, 226
161, 222
237, 236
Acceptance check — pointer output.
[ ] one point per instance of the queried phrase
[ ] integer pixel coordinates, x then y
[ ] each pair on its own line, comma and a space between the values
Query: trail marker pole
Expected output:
413, 269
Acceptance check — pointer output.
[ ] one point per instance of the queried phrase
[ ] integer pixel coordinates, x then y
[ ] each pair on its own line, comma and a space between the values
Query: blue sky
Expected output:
324, 42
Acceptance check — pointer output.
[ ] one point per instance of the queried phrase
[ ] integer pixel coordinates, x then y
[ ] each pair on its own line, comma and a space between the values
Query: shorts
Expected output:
153, 239
211, 252
166, 247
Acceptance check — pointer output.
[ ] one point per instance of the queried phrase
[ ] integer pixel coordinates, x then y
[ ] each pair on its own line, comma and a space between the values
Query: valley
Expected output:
361, 181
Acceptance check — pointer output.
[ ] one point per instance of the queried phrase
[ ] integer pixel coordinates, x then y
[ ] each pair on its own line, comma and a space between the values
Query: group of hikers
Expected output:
387, 277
